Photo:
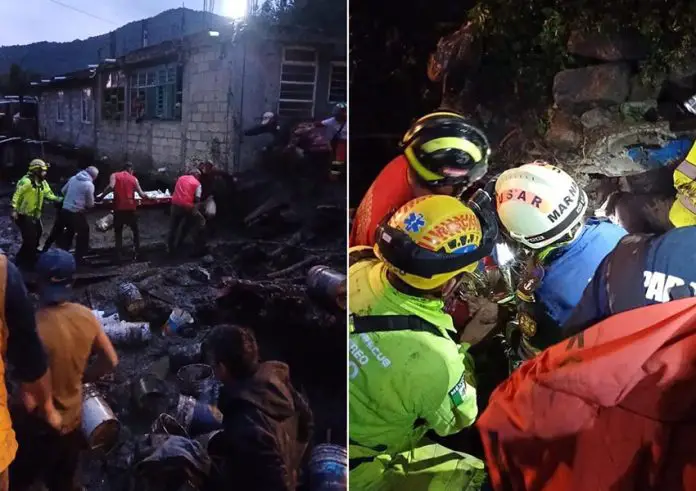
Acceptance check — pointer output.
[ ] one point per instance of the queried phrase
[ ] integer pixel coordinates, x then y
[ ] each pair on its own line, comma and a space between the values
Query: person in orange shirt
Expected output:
442, 154
70, 333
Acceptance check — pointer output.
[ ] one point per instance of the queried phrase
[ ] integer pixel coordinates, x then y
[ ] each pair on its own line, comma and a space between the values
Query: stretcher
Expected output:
154, 198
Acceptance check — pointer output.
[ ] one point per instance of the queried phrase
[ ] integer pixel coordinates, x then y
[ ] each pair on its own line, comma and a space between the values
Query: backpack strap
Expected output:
393, 323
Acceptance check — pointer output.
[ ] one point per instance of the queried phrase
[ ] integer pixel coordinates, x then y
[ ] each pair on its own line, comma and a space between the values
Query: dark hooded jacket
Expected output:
266, 425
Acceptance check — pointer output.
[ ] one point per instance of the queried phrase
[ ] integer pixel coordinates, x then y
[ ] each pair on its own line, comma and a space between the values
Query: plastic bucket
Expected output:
211, 442
328, 468
195, 379
150, 394
197, 417
177, 319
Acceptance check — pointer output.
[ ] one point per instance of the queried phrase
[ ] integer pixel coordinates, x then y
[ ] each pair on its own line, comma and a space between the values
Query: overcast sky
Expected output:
29, 21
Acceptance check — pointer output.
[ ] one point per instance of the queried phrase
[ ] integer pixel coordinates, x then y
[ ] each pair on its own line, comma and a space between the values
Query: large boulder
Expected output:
642, 90
682, 74
580, 89
608, 47
598, 118
564, 132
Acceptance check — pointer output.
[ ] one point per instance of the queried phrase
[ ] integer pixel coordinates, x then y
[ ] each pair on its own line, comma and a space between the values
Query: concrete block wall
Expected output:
207, 108
226, 89
71, 130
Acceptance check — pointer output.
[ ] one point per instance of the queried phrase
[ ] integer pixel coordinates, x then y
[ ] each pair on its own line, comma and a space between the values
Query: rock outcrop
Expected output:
580, 89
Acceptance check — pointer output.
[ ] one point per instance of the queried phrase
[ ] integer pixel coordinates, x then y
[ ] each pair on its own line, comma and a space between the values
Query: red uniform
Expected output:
388, 193
124, 191
611, 408
185, 191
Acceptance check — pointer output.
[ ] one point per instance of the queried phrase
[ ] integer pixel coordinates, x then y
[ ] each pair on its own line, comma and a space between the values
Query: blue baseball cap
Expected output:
55, 269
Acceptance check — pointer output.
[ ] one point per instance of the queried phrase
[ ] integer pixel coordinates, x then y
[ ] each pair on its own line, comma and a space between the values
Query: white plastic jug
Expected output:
210, 207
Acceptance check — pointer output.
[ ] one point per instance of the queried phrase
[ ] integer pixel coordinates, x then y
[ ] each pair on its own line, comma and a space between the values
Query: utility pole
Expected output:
144, 34
183, 20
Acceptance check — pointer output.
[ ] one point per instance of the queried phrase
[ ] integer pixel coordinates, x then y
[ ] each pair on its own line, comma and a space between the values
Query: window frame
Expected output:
315, 63
114, 86
333, 65
60, 96
148, 79
90, 109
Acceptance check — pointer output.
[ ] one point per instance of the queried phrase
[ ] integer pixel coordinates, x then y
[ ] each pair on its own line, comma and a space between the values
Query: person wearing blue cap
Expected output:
70, 333
20, 346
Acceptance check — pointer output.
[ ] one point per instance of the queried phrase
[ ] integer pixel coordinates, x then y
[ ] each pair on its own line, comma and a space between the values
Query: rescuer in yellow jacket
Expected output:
683, 212
27, 207
407, 374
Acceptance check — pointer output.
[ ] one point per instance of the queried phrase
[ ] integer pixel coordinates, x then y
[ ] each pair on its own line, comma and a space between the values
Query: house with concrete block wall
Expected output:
192, 98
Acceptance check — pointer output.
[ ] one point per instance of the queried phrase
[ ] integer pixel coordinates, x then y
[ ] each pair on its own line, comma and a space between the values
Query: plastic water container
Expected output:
328, 468
177, 320
105, 223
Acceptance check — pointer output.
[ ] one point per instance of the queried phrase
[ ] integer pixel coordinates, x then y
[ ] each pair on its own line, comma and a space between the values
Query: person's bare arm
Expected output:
139, 190
109, 188
106, 361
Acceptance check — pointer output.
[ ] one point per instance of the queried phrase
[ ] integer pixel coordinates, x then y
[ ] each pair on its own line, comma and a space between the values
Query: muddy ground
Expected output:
253, 276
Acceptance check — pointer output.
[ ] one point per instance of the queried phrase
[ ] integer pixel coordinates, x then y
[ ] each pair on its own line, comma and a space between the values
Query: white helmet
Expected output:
538, 204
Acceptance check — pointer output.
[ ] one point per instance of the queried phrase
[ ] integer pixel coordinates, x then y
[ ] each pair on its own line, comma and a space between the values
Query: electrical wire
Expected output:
57, 2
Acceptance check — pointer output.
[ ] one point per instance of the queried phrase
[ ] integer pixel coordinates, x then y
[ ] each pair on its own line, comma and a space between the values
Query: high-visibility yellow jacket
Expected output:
29, 197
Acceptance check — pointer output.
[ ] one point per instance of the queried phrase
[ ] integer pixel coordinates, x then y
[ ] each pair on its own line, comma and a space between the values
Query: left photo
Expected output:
173, 245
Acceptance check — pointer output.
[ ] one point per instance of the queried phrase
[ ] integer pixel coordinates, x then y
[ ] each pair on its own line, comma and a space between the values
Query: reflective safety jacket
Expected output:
609, 409
29, 196
402, 382
567, 271
685, 204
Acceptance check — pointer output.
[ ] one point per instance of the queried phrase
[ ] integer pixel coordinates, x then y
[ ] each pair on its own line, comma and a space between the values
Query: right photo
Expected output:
521, 271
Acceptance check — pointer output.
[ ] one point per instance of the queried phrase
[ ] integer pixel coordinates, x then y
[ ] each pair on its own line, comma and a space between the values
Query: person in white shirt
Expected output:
337, 131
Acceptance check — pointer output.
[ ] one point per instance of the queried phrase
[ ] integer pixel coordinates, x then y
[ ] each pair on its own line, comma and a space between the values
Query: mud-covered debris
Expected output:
130, 299
200, 274
123, 333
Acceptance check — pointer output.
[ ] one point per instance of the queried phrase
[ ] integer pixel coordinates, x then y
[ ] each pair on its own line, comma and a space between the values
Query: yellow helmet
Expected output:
38, 164
432, 239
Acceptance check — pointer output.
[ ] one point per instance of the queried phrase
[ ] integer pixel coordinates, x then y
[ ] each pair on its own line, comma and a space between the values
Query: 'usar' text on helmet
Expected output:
539, 204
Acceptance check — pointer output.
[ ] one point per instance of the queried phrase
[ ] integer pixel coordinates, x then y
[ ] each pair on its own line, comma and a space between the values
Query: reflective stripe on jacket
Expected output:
28, 198
404, 383
185, 191
684, 177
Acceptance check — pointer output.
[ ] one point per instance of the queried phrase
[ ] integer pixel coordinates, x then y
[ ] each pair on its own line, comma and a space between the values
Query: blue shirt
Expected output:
670, 261
571, 268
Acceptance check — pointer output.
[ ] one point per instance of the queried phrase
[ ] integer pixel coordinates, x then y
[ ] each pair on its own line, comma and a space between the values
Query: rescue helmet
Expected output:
38, 165
341, 107
538, 204
443, 149
432, 239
